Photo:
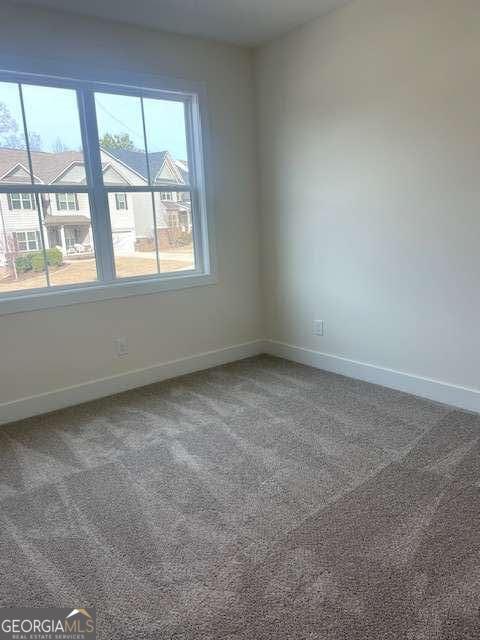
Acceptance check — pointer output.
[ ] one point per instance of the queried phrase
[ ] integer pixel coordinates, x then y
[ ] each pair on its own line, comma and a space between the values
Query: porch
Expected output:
71, 234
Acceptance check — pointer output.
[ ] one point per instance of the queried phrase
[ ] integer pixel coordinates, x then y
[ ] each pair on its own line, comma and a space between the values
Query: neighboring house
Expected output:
173, 209
66, 216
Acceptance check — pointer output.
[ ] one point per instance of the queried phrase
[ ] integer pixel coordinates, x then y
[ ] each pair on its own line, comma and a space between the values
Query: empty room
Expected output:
239, 320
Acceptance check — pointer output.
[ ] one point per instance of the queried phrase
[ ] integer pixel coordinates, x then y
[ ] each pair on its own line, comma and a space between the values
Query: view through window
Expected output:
95, 187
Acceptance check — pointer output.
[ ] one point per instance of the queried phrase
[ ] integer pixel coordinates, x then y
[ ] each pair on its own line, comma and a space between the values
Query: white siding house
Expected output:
65, 219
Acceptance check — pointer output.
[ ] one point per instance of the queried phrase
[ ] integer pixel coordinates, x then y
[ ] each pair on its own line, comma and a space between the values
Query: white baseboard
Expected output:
436, 390
101, 387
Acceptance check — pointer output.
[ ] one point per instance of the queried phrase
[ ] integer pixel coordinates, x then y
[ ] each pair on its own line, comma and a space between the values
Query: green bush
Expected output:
184, 238
36, 261
23, 263
54, 257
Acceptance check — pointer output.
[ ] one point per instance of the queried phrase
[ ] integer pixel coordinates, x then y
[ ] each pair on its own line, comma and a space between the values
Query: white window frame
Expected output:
52, 73
27, 241
121, 199
21, 200
70, 204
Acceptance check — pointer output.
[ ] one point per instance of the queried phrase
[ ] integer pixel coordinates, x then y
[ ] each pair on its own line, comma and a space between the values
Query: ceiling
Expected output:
244, 22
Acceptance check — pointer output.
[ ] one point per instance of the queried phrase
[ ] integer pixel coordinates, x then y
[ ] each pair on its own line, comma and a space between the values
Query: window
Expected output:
92, 149
121, 201
27, 240
21, 201
67, 202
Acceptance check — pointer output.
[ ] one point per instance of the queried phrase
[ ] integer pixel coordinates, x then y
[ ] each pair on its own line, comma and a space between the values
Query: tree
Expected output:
34, 141
7, 247
59, 146
117, 141
10, 135
8, 128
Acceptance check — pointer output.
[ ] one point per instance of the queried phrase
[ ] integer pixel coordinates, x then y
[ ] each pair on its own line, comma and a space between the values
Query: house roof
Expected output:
48, 167
137, 160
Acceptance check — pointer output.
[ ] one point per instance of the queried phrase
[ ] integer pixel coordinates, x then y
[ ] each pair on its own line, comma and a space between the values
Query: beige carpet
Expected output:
260, 500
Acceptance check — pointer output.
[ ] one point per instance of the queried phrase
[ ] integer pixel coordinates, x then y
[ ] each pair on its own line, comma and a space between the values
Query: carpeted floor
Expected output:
260, 500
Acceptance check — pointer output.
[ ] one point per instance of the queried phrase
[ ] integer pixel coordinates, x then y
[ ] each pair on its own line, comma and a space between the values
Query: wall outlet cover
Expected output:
318, 328
121, 346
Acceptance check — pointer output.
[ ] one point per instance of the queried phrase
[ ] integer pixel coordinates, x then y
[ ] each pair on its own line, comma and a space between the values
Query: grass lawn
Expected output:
79, 271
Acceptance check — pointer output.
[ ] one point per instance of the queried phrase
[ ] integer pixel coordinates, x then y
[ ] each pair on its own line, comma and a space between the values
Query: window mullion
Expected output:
149, 176
199, 226
37, 197
101, 226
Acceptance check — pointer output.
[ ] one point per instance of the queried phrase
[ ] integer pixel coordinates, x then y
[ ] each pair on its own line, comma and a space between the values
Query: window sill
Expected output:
61, 297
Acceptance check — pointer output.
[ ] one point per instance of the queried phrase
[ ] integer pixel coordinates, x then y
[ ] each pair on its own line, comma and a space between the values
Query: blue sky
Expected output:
52, 114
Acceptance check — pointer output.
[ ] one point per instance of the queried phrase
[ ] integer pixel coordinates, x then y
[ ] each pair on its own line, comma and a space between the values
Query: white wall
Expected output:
369, 144
45, 350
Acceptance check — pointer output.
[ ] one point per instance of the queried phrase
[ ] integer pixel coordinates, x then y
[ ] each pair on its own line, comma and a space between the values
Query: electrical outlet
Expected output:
318, 328
121, 347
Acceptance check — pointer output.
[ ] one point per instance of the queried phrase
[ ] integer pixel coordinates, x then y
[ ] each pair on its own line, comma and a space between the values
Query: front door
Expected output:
54, 239
72, 237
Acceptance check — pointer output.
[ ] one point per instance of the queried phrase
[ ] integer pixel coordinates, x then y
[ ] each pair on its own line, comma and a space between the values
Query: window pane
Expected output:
54, 133
61, 201
69, 239
33, 241
133, 232
67, 202
13, 156
21, 257
28, 200
121, 201
15, 201
69, 245
133, 236
120, 130
166, 141
175, 232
